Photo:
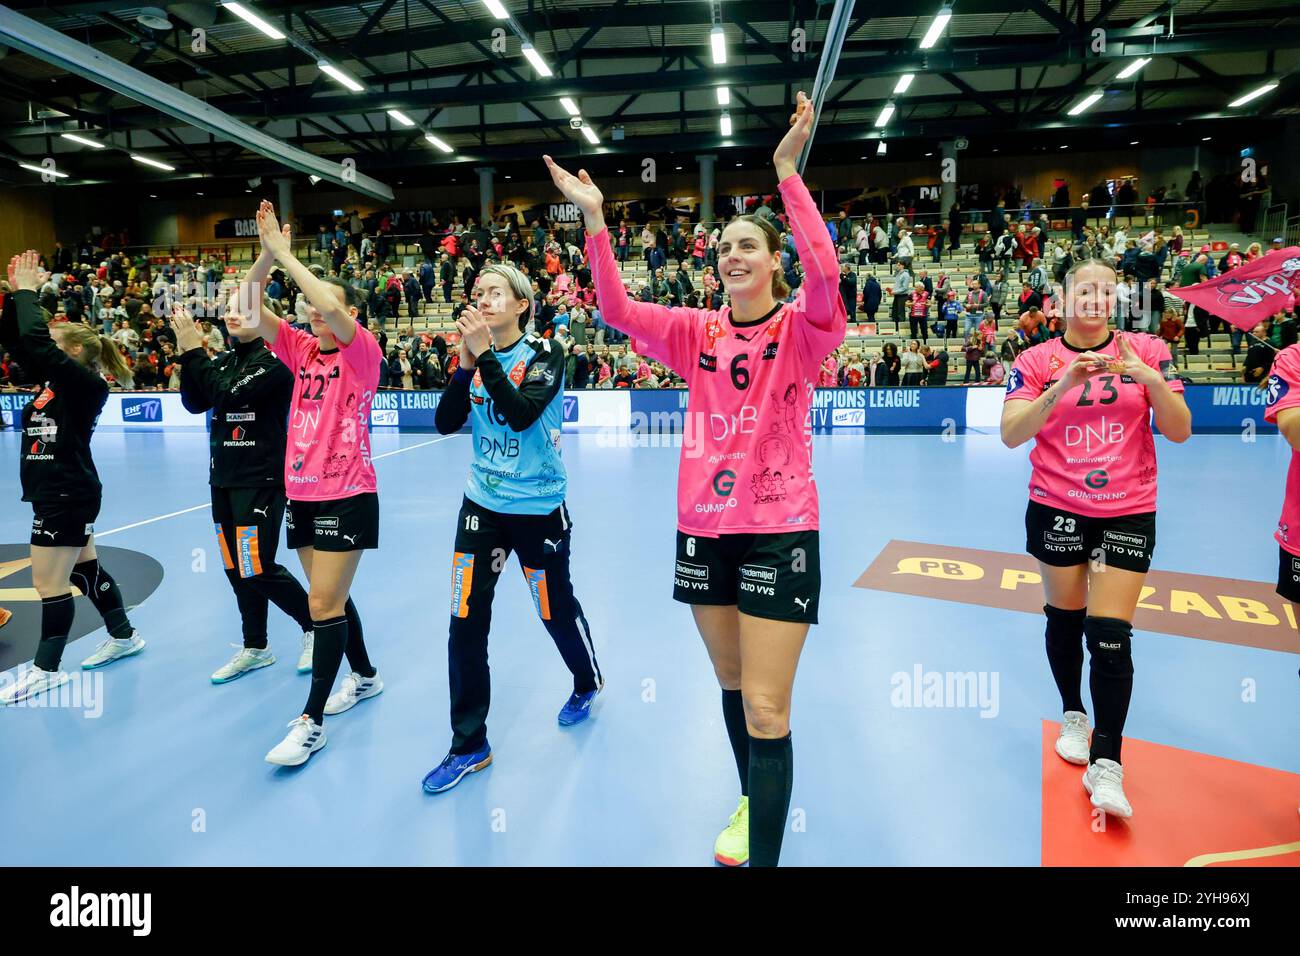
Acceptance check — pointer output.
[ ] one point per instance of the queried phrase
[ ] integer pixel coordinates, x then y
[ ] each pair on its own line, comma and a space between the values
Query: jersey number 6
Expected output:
740, 374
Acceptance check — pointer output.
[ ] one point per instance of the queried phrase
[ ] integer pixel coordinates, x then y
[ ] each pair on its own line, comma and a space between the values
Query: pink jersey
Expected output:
746, 463
1096, 455
1284, 392
328, 454
920, 303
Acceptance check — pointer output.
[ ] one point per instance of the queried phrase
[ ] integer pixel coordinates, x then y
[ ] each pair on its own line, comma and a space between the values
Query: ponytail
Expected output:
112, 361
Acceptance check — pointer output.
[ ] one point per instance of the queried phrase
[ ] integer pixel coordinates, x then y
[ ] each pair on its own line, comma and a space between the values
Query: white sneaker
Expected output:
248, 659
33, 682
304, 659
305, 737
354, 690
112, 649
1104, 780
1073, 742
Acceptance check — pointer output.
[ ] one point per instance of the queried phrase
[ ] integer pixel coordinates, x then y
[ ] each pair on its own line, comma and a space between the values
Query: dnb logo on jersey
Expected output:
462, 579
1015, 380
537, 587
1277, 389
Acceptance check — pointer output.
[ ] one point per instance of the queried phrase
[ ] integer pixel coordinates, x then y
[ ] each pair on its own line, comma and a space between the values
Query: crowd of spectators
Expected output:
1021, 264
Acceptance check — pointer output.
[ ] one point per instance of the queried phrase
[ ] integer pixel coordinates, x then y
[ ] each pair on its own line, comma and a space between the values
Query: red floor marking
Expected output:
1185, 805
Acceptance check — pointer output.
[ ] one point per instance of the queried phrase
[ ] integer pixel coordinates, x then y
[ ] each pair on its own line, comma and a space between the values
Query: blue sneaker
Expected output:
455, 766
577, 708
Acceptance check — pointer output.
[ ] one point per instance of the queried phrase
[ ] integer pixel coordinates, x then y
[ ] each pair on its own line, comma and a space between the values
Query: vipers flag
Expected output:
1252, 292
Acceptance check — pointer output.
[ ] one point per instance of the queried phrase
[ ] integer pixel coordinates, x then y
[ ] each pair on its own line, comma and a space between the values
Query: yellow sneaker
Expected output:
732, 846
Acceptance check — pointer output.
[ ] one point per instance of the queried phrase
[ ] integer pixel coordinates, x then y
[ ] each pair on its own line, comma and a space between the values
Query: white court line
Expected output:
185, 511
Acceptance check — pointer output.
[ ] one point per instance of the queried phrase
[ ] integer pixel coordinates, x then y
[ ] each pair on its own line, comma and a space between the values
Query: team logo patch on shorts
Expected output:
1295, 565
462, 579
697, 572
1070, 539
537, 587
758, 573
1128, 540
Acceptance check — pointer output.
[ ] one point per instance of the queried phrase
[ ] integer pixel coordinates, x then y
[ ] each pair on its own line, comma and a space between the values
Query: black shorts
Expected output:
63, 524
773, 576
1064, 539
340, 524
1288, 575
248, 523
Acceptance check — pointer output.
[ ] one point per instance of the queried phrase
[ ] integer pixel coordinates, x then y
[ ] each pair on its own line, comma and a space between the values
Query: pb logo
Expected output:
1096, 479
570, 408
723, 482
941, 568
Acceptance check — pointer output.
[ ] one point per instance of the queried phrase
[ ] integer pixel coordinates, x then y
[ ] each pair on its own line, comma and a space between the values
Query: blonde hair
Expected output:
98, 352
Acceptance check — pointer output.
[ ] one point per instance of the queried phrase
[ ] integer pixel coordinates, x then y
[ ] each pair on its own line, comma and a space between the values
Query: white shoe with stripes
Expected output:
305, 737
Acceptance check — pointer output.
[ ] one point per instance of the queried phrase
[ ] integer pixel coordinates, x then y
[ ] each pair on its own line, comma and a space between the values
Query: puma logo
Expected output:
803, 603
262, 511
50, 533
351, 538
553, 545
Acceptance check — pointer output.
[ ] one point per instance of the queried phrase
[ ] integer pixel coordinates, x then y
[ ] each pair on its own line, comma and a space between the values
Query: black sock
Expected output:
327, 655
358, 659
56, 622
1065, 654
733, 713
1110, 679
98, 585
771, 777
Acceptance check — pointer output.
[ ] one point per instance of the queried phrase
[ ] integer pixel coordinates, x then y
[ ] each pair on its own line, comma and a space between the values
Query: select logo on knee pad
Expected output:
462, 579
537, 586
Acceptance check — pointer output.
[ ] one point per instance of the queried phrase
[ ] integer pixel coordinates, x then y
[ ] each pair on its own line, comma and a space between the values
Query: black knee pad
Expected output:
86, 576
1110, 643
1064, 629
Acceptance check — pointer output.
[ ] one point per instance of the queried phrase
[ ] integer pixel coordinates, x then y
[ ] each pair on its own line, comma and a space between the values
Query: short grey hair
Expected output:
520, 286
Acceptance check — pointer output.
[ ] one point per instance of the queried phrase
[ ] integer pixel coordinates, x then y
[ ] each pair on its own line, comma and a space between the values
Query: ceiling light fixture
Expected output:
329, 69
83, 141
247, 15
535, 58
152, 162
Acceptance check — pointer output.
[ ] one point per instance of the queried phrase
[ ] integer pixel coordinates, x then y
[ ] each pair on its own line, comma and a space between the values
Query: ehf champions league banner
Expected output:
1215, 408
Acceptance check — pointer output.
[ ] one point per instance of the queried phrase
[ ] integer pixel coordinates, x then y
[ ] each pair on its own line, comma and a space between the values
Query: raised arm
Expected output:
252, 299
317, 291
669, 329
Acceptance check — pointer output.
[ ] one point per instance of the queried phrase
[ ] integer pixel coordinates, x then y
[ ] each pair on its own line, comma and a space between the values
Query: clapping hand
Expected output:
475, 336
188, 336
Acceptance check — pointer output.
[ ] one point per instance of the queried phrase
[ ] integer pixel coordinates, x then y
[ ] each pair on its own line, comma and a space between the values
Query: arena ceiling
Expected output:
642, 75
